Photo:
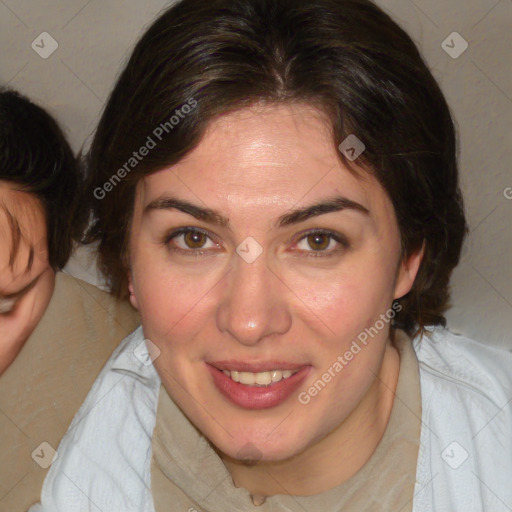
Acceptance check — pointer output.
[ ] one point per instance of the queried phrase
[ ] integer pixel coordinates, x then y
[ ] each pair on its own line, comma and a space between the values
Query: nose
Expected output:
253, 305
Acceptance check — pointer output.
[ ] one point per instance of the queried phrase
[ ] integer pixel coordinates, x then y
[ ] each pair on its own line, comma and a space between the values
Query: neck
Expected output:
336, 457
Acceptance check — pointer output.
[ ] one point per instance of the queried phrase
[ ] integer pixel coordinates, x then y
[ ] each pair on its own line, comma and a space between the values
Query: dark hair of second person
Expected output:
36, 158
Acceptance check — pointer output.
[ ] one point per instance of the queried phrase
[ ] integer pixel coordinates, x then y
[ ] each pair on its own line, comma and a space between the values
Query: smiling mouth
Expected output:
260, 379
257, 385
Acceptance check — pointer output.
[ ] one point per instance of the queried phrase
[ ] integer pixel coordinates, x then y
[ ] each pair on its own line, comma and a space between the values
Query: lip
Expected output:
264, 366
257, 397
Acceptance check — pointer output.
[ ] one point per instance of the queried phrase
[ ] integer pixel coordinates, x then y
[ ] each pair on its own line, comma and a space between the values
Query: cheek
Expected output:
17, 327
37, 302
172, 304
346, 300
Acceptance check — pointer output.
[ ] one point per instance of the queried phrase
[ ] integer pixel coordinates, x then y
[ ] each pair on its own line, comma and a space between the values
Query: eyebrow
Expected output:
295, 216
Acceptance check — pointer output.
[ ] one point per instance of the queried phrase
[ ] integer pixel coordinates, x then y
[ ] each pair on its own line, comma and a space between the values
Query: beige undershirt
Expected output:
188, 475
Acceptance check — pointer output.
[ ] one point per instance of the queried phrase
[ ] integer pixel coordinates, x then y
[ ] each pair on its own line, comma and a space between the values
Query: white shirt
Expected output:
464, 462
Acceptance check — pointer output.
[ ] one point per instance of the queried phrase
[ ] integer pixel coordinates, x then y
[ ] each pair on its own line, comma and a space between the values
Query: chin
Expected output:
251, 450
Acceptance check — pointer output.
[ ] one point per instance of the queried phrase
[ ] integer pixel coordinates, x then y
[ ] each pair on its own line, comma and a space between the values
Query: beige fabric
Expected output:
186, 472
44, 387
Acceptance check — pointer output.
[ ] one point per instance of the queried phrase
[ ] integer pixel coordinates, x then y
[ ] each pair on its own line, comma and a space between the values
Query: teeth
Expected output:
260, 378
247, 378
263, 378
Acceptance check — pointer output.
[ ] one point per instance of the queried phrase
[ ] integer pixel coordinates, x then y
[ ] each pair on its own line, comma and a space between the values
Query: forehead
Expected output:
23, 252
264, 159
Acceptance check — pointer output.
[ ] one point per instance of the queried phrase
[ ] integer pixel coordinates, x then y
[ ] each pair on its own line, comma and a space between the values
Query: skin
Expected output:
253, 166
24, 292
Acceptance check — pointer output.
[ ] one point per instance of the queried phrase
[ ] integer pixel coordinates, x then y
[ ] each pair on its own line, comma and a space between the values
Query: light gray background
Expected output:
95, 38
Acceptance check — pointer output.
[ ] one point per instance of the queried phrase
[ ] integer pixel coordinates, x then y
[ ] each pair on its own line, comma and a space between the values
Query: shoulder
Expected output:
43, 388
108, 444
466, 431
459, 361
126, 378
95, 308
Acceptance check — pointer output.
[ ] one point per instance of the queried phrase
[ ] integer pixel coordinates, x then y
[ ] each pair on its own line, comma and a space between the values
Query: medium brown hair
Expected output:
347, 57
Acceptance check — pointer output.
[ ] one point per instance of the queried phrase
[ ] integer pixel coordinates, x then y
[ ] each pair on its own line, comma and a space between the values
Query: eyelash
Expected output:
340, 239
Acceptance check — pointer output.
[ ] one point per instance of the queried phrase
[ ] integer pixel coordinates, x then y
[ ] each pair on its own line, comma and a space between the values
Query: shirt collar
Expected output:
131, 358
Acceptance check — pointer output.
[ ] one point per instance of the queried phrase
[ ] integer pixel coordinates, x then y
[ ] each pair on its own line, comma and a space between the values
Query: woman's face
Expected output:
27, 279
263, 283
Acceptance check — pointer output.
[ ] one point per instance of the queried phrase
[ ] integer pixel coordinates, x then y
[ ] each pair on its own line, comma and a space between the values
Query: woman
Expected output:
275, 185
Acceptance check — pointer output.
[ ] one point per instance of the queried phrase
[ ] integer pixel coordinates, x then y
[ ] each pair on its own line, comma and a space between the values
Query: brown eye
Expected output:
194, 239
190, 242
322, 243
318, 241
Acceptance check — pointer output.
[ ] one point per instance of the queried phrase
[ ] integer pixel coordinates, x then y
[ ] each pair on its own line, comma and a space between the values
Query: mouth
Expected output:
257, 386
259, 378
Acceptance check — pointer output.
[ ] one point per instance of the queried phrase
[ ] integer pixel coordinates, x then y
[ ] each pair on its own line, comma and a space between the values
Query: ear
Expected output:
131, 289
407, 272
